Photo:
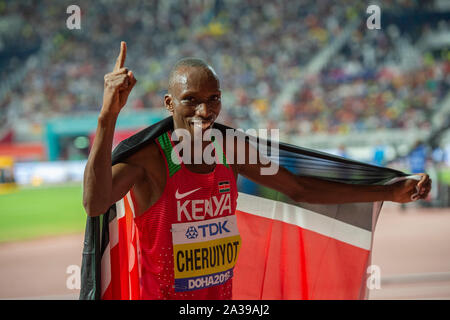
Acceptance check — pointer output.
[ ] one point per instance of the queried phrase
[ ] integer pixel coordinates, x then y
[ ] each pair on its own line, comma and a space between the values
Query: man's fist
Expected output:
118, 84
410, 189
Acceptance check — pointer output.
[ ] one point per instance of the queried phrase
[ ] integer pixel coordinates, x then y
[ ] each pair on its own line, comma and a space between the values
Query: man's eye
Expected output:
215, 98
189, 99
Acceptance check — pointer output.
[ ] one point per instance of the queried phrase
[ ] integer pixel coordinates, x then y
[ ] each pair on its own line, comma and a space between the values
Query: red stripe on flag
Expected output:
107, 295
294, 263
114, 260
133, 276
124, 266
106, 290
123, 253
135, 293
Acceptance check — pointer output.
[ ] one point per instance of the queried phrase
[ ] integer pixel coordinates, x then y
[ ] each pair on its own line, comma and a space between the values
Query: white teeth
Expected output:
201, 124
206, 125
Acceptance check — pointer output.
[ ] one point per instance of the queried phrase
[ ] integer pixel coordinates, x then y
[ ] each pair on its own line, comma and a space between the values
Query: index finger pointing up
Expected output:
122, 56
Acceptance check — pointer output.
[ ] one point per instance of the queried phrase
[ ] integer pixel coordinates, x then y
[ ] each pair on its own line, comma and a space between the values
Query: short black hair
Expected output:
189, 62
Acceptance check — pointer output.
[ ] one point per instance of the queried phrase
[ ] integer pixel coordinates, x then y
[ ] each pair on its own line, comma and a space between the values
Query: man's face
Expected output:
194, 98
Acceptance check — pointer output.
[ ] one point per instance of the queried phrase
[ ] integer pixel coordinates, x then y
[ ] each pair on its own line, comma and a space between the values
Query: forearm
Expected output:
97, 184
312, 190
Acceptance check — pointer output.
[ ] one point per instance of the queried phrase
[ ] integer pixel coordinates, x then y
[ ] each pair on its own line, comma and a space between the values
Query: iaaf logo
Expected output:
198, 209
209, 229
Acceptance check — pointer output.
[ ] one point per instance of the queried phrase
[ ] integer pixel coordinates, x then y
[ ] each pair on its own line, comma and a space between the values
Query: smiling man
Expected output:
193, 83
185, 211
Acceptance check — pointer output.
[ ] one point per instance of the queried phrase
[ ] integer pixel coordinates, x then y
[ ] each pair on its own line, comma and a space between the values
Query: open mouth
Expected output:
201, 124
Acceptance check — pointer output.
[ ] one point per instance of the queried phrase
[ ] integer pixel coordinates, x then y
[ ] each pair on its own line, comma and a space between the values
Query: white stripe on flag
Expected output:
113, 232
305, 219
106, 270
120, 208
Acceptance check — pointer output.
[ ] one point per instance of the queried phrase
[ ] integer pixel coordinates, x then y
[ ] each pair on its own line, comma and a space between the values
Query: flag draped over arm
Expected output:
289, 250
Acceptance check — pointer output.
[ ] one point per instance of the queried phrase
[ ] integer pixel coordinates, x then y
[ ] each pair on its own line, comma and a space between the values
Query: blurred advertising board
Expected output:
37, 173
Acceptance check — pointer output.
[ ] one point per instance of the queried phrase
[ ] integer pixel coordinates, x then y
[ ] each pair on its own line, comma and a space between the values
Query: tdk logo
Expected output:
191, 233
212, 229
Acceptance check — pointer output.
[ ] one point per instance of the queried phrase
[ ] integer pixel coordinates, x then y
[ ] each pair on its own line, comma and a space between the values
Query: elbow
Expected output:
93, 210
307, 194
87, 206
299, 198
88, 209
299, 195
94, 204
309, 198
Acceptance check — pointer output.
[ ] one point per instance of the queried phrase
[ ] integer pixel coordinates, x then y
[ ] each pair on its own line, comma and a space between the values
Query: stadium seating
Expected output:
368, 85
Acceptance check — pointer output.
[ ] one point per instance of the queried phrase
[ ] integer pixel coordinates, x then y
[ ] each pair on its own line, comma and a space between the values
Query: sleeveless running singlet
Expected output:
189, 238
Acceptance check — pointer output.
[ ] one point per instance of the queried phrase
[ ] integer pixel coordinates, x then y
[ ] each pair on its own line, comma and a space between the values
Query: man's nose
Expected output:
203, 110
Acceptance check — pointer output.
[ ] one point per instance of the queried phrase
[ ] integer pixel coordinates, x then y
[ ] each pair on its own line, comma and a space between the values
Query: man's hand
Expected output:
98, 190
118, 85
409, 190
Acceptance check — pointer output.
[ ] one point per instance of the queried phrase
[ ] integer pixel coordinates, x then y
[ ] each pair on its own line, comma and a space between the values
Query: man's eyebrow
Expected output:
188, 93
194, 93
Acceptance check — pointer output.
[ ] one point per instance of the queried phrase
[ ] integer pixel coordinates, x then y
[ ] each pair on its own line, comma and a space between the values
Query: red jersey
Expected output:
189, 239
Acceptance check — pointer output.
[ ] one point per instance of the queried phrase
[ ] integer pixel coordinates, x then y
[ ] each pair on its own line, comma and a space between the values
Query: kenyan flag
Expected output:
224, 186
290, 250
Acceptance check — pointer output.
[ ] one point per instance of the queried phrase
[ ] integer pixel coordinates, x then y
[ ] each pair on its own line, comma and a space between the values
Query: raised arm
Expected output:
313, 190
99, 191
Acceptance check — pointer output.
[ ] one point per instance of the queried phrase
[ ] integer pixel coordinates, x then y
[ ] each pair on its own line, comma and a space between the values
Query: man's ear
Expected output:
168, 102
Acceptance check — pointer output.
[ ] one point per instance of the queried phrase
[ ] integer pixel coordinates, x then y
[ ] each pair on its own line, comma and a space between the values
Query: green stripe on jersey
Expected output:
166, 146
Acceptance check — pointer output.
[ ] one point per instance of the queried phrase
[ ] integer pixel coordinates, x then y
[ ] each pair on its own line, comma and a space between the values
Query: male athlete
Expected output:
168, 194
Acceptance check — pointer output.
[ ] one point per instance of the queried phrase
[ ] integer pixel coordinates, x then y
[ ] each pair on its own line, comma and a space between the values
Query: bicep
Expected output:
124, 176
283, 180
268, 173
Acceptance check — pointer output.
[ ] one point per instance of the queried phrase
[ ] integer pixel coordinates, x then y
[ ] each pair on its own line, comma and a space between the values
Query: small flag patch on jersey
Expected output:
224, 186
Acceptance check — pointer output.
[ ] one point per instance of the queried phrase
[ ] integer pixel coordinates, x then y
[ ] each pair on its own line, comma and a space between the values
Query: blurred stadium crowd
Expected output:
392, 78
255, 49
378, 80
